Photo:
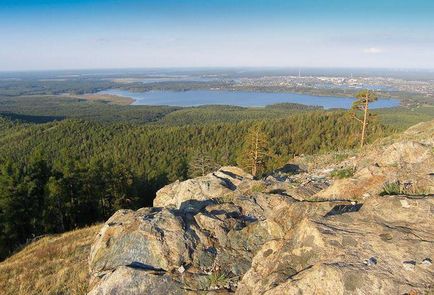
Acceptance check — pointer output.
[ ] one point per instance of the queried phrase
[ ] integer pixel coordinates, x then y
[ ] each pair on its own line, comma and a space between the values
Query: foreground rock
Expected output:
296, 234
386, 247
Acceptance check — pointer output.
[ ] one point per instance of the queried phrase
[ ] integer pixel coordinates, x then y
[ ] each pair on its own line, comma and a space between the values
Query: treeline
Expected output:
227, 113
61, 175
53, 86
39, 109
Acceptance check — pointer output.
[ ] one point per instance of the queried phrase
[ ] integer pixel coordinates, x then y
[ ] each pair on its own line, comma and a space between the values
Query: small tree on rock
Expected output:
363, 97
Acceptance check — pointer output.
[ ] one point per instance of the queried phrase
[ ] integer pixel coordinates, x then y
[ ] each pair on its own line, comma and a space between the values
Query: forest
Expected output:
65, 174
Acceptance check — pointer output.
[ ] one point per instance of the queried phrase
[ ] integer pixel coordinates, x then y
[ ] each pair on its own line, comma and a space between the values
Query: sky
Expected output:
84, 34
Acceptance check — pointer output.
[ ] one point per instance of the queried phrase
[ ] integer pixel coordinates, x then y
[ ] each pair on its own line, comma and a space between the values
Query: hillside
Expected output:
54, 264
351, 226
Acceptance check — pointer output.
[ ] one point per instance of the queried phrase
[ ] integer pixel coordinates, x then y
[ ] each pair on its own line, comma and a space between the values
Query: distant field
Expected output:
107, 98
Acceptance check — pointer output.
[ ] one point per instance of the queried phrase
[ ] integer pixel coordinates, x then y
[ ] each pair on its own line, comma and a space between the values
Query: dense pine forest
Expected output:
65, 174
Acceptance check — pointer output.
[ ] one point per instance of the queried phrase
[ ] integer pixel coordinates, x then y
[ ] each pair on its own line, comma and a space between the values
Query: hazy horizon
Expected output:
198, 68
80, 35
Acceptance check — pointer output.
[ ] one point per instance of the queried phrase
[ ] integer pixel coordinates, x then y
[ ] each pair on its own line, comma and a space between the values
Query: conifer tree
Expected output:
255, 150
363, 97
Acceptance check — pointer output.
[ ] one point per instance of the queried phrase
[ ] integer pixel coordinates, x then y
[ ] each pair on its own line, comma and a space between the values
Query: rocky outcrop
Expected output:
294, 233
407, 161
200, 244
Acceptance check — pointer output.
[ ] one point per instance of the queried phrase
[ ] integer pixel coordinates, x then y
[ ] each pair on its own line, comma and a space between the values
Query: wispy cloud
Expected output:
373, 50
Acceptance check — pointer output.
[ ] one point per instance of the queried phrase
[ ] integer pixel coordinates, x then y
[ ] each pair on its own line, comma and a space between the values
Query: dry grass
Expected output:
52, 265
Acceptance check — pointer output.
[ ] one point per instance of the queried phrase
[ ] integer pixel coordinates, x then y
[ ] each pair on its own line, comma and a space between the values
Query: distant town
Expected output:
324, 82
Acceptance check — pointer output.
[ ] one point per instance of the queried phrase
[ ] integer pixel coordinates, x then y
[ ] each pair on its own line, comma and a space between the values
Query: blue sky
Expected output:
40, 35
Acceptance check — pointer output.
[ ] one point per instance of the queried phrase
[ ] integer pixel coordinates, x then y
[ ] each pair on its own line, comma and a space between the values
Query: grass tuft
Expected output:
391, 188
398, 188
218, 280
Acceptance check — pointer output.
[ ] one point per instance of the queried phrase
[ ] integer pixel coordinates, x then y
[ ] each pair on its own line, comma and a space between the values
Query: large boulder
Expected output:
214, 185
204, 249
148, 238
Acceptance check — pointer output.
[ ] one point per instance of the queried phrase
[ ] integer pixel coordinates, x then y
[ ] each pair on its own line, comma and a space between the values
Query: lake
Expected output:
239, 98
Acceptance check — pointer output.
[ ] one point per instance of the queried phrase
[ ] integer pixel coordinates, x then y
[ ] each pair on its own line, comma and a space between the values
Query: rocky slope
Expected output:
294, 232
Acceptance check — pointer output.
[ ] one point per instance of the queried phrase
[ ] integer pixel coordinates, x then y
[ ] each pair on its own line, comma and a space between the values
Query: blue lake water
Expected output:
239, 98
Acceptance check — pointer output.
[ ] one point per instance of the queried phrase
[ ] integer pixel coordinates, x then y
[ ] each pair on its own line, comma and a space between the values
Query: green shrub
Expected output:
398, 188
391, 188
218, 280
343, 173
